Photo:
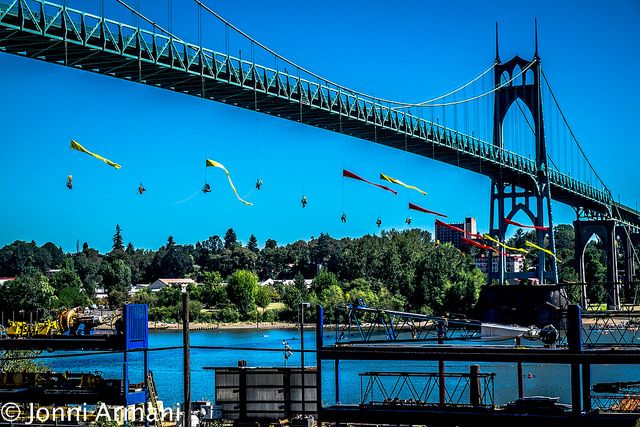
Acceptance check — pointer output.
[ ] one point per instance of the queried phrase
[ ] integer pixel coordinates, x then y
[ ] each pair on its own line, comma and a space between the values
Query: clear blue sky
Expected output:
404, 50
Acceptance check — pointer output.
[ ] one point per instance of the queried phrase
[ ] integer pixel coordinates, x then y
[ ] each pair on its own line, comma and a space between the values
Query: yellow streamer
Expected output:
486, 236
79, 147
542, 249
219, 165
395, 181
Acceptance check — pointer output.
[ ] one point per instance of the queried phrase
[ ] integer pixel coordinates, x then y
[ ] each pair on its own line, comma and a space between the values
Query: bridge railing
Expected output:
150, 47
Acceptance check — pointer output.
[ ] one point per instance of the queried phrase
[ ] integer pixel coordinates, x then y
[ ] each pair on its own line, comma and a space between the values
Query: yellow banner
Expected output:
486, 236
219, 165
542, 249
76, 146
395, 181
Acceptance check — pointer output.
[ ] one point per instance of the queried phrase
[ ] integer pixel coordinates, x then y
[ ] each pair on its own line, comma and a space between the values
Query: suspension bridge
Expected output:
156, 57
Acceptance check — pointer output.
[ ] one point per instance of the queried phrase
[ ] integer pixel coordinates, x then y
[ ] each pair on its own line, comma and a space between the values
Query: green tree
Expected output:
177, 262
324, 280
230, 239
271, 244
17, 258
68, 287
301, 286
252, 244
361, 289
330, 298
272, 262
116, 278
462, 294
433, 275
595, 275
242, 286
28, 292
324, 252
87, 270
195, 311
213, 292
169, 296
118, 243
298, 255
263, 297
170, 243
145, 296
565, 237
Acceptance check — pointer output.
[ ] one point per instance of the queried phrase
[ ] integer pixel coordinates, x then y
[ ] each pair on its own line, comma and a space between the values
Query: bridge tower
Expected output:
507, 198
614, 236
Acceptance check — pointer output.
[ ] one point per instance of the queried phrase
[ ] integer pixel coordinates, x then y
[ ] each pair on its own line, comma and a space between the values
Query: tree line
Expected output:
401, 270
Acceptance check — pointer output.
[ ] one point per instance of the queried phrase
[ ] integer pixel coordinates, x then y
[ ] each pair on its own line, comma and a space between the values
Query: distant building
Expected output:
448, 235
52, 272
514, 263
137, 288
101, 293
161, 283
4, 280
271, 282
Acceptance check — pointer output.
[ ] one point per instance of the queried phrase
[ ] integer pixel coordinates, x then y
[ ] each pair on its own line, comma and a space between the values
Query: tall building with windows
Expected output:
514, 263
448, 235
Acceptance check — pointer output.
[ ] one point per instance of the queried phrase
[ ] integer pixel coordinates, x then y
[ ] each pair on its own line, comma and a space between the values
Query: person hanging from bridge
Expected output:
206, 189
258, 184
69, 184
303, 201
141, 189
378, 222
213, 163
343, 218
408, 221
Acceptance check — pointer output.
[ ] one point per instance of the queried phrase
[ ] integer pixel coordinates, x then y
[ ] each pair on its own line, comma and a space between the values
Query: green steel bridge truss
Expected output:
50, 32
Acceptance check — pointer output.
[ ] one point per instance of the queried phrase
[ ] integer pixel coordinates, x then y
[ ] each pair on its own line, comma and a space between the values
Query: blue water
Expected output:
546, 379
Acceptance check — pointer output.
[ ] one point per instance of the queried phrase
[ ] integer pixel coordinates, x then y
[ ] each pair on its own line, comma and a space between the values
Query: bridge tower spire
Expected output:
507, 199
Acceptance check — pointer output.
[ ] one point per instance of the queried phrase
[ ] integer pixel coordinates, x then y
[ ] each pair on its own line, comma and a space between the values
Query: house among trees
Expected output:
5, 279
161, 283
271, 282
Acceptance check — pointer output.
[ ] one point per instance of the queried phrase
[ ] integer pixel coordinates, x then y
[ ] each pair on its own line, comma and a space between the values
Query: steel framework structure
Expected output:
407, 389
51, 32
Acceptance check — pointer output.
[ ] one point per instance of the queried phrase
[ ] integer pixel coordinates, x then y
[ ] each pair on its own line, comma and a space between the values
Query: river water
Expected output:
539, 379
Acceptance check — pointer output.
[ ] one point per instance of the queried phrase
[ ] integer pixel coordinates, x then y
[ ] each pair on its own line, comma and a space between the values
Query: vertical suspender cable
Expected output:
140, 134
255, 109
301, 134
342, 157
169, 15
66, 64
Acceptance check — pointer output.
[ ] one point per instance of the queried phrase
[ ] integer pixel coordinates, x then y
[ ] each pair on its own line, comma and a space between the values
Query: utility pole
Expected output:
186, 358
